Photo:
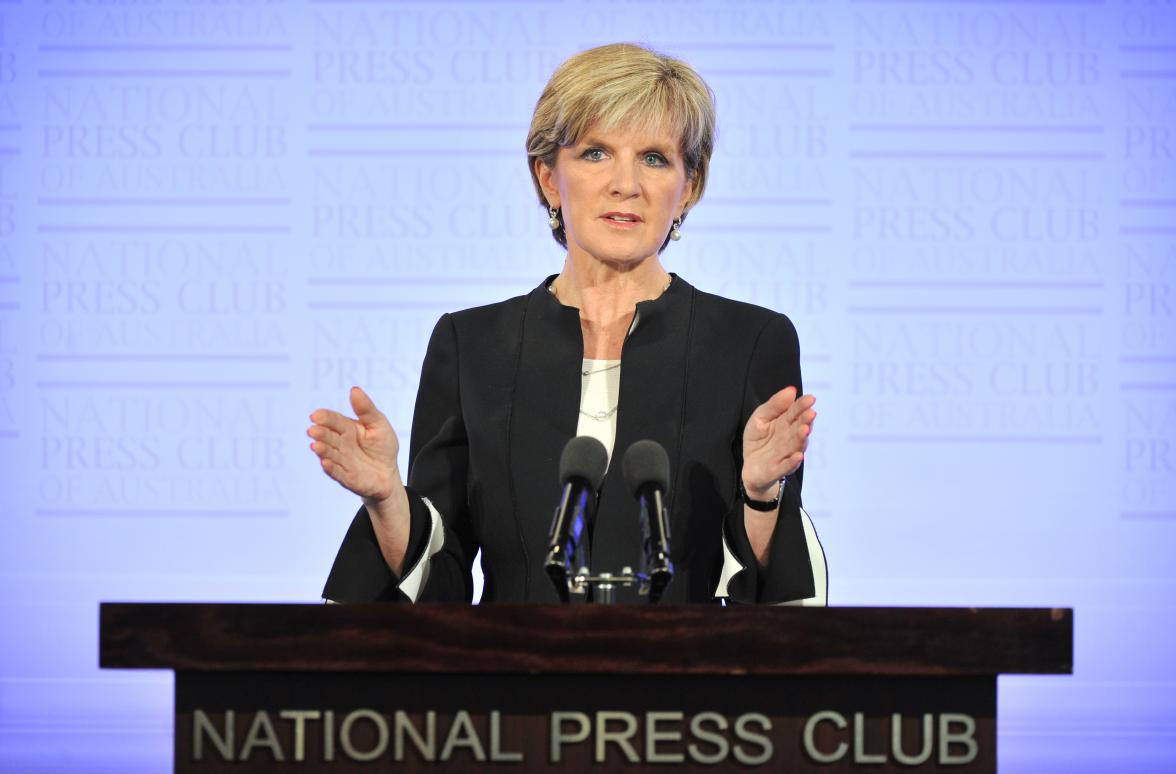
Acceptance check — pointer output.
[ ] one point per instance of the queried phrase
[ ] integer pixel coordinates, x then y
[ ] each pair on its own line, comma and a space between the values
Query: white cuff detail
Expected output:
414, 580
820, 572
731, 567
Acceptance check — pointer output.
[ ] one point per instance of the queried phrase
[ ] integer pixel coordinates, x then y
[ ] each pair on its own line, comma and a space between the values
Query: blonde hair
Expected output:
623, 85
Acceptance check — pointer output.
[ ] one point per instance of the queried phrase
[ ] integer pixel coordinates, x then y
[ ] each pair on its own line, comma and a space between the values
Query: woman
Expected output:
613, 346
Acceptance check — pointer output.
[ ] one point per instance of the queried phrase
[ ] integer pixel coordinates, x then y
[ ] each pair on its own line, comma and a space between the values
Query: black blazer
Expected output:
499, 398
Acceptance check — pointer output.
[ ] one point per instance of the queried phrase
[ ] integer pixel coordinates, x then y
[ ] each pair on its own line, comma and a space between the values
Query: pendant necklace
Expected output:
602, 415
601, 370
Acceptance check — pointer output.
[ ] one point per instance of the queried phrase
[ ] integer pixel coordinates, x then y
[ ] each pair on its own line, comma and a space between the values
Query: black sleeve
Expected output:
438, 454
775, 364
360, 573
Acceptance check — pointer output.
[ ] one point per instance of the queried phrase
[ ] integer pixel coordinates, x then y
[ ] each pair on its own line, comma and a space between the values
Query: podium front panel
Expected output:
348, 721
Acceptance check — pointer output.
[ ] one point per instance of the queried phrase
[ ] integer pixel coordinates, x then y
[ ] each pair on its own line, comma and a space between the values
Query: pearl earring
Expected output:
553, 218
676, 230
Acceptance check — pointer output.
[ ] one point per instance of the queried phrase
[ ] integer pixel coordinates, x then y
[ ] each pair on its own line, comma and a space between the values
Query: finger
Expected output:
788, 419
339, 467
783, 427
795, 440
324, 451
334, 470
776, 405
800, 406
363, 407
334, 453
806, 432
332, 419
325, 434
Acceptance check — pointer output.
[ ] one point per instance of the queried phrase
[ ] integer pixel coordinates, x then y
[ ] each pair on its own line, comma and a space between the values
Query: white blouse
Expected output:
600, 393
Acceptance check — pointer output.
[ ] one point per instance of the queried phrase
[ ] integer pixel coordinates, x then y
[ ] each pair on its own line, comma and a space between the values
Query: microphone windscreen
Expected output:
583, 457
646, 462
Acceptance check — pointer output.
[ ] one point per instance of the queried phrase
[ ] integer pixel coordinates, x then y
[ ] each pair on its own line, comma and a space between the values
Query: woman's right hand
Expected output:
358, 453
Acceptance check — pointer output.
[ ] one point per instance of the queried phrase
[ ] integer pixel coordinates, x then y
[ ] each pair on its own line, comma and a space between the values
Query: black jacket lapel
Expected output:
653, 374
544, 411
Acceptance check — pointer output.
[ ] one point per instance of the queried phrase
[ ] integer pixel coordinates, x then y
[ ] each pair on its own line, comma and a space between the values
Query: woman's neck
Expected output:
607, 298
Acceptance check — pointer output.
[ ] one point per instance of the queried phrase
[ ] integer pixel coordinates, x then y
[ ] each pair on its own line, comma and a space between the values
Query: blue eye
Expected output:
655, 160
593, 154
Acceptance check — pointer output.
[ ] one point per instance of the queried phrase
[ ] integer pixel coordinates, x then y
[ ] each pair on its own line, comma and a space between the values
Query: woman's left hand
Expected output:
774, 441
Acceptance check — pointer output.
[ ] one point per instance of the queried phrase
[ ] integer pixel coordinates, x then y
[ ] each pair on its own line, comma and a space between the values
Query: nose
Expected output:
624, 183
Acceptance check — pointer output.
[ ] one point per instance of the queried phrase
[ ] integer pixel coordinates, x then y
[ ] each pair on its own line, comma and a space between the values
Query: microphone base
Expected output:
601, 588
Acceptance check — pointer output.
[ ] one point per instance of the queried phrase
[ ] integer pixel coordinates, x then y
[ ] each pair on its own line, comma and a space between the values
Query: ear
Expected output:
547, 181
687, 192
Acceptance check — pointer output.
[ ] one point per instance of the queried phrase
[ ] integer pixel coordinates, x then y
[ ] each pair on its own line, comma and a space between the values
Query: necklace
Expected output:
601, 416
601, 370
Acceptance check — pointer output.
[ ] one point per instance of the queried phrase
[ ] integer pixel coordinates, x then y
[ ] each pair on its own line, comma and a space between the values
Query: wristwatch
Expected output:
761, 505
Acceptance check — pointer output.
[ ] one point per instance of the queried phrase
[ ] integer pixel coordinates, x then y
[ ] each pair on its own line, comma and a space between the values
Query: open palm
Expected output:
775, 439
359, 453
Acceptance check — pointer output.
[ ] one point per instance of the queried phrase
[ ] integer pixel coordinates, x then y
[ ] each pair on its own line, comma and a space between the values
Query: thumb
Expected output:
363, 407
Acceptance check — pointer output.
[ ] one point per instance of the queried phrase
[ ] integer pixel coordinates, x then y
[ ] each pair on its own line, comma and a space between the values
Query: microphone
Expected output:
581, 469
646, 467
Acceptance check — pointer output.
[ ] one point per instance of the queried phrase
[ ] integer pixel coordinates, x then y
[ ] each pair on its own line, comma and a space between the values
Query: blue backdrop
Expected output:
215, 217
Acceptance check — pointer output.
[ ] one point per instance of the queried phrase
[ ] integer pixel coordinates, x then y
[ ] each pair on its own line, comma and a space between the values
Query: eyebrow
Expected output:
656, 147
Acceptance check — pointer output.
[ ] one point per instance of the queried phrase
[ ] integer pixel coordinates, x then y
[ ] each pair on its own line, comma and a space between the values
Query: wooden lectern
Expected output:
389, 687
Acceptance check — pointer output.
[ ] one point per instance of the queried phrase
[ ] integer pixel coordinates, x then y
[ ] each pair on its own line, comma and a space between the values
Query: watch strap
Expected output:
761, 505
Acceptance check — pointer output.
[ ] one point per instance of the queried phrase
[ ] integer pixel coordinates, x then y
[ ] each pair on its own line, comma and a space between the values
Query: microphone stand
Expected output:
600, 587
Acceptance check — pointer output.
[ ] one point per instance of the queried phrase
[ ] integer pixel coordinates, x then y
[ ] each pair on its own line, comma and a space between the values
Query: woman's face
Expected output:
619, 192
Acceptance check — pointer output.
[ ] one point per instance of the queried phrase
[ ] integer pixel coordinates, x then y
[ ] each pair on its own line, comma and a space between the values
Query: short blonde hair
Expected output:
623, 85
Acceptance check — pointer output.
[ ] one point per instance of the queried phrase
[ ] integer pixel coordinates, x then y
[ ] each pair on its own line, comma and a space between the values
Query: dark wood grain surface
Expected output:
538, 639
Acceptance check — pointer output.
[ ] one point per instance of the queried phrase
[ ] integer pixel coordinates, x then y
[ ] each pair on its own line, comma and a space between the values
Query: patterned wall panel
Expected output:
215, 217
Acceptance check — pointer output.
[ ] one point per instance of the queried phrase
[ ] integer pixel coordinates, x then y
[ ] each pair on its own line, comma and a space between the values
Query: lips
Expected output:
621, 217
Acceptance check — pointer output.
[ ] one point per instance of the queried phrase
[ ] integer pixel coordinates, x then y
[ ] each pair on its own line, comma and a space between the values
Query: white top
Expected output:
600, 393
